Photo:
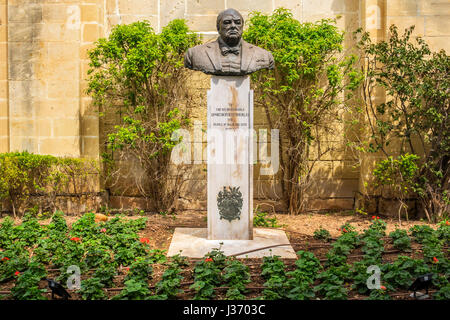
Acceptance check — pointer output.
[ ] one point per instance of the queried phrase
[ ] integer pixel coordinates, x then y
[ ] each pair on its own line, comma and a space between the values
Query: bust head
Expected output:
230, 25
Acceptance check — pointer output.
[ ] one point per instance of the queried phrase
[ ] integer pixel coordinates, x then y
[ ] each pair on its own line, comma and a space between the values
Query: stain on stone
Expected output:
24, 53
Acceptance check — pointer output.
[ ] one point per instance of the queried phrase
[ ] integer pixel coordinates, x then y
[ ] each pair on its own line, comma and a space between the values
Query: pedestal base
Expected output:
193, 243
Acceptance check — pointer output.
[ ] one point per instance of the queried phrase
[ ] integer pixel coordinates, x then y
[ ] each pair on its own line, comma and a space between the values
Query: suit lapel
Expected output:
213, 54
247, 55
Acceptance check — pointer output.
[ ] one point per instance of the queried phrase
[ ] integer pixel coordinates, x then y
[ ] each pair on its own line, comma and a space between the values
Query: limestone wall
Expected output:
43, 64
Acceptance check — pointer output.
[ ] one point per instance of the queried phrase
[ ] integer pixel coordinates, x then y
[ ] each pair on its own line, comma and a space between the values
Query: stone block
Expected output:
4, 144
63, 51
55, 13
294, 5
247, 6
170, 10
24, 32
59, 32
44, 128
22, 127
205, 7
91, 32
60, 146
90, 126
90, 147
26, 90
316, 7
333, 188
64, 70
438, 43
23, 108
89, 13
58, 89
20, 143
3, 33
435, 7
405, 22
402, 8
28, 13
437, 26
61, 108
330, 204
153, 20
201, 23
4, 127
3, 108
141, 7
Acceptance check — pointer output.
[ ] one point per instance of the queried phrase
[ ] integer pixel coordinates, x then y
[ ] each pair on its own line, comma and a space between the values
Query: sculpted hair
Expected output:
227, 11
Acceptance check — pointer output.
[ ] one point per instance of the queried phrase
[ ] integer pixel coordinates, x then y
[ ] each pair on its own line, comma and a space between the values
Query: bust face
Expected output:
230, 28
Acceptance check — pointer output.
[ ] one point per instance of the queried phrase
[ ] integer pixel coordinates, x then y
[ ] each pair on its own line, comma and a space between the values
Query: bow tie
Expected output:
230, 50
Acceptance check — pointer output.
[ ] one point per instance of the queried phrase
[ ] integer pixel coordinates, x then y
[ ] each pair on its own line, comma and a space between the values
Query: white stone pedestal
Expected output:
230, 160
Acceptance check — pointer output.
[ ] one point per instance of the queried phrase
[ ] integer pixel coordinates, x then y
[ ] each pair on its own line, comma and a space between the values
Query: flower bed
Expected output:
115, 262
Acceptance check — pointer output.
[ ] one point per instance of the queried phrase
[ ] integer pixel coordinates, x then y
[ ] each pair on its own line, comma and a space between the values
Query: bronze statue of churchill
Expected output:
229, 55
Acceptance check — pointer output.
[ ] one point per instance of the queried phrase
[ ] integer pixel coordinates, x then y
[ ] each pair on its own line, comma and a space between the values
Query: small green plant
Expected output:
400, 240
169, 286
332, 282
92, 289
421, 232
261, 219
236, 276
207, 276
134, 290
27, 284
273, 270
322, 234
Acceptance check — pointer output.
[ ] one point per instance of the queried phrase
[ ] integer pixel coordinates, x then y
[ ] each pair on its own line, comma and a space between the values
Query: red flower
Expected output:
208, 260
5, 258
378, 217
373, 217
382, 287
435, 260
76, 239
447, 223
16, 273
344, 230
103, 230
144, 240
339, 229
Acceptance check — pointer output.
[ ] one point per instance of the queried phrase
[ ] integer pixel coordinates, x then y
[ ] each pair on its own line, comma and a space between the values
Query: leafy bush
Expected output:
137, 76
302, 94
23, 174
411, 127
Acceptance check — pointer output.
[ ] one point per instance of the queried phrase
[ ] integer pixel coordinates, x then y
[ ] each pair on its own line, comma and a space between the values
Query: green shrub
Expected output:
304, 92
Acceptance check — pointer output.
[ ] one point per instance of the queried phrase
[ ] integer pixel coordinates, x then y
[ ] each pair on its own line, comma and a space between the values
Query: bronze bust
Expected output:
229, 55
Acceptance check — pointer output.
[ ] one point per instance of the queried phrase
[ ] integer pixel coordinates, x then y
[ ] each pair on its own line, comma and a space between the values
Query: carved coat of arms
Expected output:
229, 202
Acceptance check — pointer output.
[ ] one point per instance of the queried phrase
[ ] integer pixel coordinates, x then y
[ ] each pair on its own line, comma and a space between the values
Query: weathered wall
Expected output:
43, 43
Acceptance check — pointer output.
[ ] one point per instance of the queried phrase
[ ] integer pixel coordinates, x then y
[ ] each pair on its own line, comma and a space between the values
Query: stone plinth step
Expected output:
193, 243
